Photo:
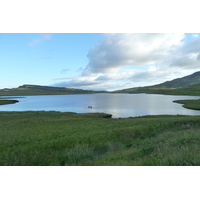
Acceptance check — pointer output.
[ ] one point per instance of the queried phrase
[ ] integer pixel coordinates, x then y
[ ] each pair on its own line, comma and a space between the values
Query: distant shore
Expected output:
190, 104
4, 102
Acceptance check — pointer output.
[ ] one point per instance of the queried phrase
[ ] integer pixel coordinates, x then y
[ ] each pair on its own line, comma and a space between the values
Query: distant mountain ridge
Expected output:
188, 85
42, 90
181, 82
169, 87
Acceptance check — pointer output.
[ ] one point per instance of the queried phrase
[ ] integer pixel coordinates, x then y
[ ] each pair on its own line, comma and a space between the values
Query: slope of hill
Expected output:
41, 90
181, 82
188, 85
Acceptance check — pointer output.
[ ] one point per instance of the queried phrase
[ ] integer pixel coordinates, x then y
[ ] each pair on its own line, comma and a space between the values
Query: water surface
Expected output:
119, 105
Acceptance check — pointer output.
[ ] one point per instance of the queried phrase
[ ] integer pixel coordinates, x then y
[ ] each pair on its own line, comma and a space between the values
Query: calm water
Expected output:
119, 105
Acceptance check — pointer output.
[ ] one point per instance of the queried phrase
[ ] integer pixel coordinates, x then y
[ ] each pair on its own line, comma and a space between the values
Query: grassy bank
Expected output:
54, 138
191, 104
3, 102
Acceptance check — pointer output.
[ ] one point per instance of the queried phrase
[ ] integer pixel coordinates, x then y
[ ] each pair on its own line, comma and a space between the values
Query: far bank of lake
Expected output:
119, 105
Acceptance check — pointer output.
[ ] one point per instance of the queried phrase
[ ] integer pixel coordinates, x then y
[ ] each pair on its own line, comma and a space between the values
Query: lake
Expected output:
119, 105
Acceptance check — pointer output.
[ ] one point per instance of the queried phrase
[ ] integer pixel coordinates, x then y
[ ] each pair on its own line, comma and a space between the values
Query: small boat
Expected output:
89, 106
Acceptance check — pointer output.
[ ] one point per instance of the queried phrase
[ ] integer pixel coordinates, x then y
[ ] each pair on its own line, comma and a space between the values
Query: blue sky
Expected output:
41, 58
96, 61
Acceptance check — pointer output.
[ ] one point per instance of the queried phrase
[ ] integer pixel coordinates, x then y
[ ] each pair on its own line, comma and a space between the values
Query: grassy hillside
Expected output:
193, 90
41, 90
181, 82
188, 85
54, 138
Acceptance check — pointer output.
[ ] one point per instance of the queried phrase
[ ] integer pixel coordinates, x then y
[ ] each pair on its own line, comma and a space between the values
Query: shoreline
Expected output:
189, 104
5, 102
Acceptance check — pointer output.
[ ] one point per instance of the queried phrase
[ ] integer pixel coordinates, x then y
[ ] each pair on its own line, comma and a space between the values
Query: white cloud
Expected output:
115, 51
130, 60
40, 39
195, 35
46, 36
79, 82
185, 57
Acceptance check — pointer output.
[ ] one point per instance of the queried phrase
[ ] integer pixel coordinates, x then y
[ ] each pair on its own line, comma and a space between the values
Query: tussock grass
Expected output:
54, 138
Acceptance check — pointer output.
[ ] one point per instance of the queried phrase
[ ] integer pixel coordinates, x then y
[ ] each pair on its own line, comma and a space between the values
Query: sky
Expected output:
96, 61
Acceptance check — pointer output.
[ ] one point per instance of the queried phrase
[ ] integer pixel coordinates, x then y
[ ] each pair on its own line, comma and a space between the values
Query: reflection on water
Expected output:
119, 105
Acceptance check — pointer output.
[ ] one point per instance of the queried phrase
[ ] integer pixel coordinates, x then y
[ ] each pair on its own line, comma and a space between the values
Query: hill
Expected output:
25, 90
181, 82
188, 85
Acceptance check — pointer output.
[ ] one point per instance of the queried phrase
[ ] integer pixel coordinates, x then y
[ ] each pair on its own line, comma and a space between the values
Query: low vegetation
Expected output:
55, 138
3, 102
191, 104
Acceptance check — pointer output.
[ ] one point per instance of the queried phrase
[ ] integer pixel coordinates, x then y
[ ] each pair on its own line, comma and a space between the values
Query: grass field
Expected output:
55, 138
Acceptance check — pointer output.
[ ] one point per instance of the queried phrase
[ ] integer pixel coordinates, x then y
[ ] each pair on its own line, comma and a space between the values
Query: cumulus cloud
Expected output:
90, 83
42, 37
79, 82
115, 51
185, 57
119, 61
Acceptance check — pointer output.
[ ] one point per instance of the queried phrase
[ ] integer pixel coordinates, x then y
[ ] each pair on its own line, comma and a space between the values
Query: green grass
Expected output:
191, 104
3, 102
55, 138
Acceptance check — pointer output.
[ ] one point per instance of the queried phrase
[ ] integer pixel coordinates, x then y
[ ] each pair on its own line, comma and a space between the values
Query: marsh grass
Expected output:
190, 104
3, 102
69, 139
